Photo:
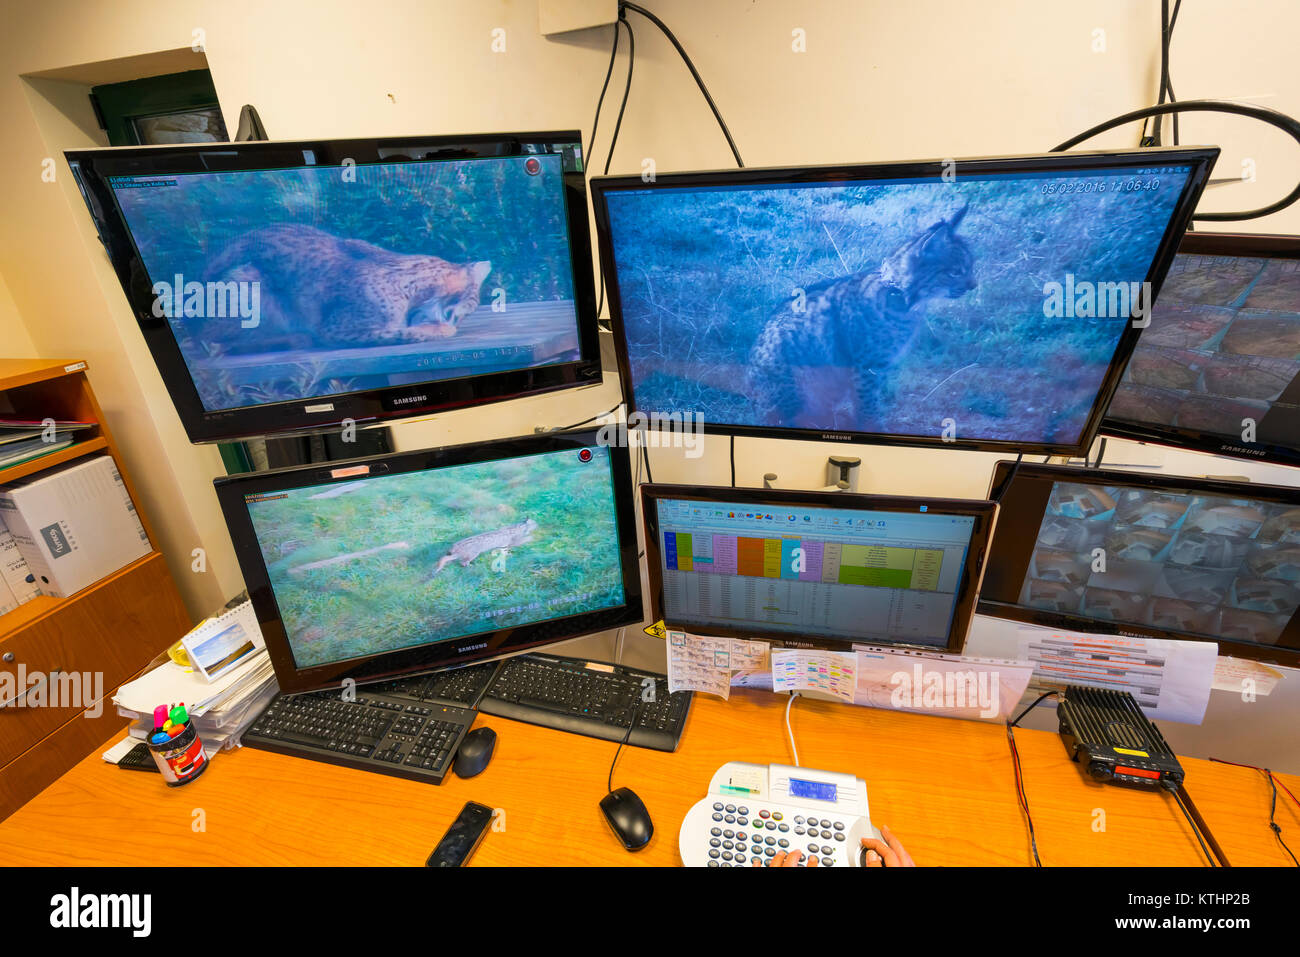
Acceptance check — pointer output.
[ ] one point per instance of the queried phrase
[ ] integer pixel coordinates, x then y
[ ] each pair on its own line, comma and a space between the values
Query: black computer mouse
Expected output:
628, 818
475, 752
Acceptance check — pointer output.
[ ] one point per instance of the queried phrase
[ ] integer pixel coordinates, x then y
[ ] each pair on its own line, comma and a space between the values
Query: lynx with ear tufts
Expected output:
823, 362
321, 291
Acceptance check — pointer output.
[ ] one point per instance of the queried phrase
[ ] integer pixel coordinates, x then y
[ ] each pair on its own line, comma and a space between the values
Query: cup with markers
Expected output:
175, 745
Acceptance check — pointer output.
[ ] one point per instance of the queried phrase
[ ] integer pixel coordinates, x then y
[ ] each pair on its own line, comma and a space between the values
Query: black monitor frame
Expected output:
1243, 245
468, 649
92, 169
984, 513
1020, 519
1200, 159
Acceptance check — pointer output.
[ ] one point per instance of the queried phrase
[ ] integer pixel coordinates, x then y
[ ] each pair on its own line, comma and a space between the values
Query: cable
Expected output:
1272, 813
601, 415
1037, 701
618, 122
595, 123
790, 731
1021, 797
733, 460
1274, 784
630, 725
645, 452
1280, 120
1280, 784
663, 27
1179, 794
1003, 491
1015, 759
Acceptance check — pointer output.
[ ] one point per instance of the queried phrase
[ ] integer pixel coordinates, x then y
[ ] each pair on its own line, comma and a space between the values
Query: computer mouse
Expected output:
628, 818
475, 752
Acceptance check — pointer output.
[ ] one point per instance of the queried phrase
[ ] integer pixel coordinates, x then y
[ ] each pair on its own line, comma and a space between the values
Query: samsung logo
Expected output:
836, 437
481, 644
411, 398
1243, 451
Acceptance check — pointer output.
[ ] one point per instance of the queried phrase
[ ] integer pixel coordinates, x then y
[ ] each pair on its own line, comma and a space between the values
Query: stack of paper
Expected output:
24, 439
221, 708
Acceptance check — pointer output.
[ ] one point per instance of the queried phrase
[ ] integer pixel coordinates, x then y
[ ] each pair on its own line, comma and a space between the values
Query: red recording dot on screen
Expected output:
532, 166
584, 455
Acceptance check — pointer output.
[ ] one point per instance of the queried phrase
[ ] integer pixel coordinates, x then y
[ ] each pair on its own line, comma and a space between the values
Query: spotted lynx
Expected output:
468, 549
826, 365
320, 291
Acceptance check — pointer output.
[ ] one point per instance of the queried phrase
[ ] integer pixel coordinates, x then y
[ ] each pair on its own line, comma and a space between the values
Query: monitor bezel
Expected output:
1199, 159
1020, 546
1240, 245
984, 513
468, 649
92, 168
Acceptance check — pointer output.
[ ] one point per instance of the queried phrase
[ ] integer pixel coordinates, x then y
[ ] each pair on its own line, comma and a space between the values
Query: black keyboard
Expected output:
406, 727
590, 698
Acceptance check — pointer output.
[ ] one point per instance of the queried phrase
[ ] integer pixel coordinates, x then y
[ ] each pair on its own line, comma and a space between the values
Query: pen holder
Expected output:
180, 759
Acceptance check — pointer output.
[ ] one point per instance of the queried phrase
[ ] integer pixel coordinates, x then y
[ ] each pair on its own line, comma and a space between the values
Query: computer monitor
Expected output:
299, 285
967, 304
396, 564
1219, 369
1148, 555
824, 569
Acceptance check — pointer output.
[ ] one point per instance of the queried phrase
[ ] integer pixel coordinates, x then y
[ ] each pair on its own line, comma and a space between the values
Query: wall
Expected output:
878, 80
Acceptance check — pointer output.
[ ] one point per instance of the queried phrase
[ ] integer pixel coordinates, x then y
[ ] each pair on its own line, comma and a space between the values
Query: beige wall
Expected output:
880, 80
14, 340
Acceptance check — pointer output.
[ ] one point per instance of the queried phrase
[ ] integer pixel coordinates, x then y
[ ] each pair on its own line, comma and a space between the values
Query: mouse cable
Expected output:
1021, 797
790, 731
626, 737
1274, 784
1285, 123
699, 81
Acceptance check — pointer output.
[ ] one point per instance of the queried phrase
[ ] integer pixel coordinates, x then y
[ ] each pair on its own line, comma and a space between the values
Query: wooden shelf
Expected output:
74, 451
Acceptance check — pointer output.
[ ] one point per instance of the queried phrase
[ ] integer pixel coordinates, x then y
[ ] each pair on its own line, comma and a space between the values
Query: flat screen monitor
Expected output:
296, 286
969, 304
1219, 368
1148, 556
825, 569
389, 565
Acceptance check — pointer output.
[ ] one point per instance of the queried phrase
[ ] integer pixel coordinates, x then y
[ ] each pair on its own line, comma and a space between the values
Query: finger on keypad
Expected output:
812, 861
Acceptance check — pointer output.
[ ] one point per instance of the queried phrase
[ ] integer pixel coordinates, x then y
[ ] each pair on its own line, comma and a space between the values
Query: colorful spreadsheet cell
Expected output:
749, 557
724, 554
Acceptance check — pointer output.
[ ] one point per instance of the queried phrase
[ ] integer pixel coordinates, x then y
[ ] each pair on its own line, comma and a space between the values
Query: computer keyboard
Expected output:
591, 698
393, 731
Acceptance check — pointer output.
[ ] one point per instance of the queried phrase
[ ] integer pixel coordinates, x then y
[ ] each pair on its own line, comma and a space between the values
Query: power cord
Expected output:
733, 461
1015, 761
618, 122
600, 415
1166, 85
663, 28
1179, 796
1283, 122
790, 731
1273, 784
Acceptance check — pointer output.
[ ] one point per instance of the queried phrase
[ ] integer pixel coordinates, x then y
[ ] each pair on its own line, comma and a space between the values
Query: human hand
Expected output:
887, 853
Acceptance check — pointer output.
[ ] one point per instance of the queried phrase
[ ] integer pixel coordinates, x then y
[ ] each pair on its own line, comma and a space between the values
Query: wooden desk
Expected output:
944, 786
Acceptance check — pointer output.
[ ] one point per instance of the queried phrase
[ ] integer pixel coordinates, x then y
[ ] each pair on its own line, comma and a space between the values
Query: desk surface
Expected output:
944, 786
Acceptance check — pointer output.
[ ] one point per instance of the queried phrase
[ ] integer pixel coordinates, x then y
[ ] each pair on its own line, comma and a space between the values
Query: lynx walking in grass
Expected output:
468, 549
825, 365
321, 291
